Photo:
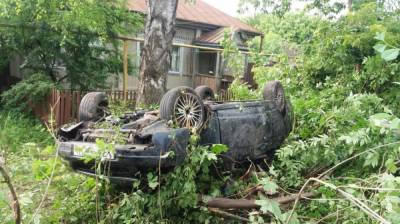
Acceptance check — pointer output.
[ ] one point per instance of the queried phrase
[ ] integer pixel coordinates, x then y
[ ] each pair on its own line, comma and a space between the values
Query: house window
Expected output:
175, 60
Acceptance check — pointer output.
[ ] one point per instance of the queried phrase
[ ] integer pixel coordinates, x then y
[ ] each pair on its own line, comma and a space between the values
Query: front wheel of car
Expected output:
184, 107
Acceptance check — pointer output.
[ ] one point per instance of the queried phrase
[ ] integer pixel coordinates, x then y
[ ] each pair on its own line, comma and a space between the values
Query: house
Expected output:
196, 56
201, 26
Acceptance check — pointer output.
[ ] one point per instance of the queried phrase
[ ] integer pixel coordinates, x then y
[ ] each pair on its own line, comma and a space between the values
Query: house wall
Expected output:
174, 79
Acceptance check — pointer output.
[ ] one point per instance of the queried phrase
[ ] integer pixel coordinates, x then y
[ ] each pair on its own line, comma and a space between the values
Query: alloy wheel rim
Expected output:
188, 111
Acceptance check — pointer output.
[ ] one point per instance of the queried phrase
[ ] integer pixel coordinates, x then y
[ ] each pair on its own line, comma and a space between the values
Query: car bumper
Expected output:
167, 149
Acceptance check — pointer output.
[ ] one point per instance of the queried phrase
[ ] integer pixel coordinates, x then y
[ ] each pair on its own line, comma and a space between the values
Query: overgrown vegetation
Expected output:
72, 43
342, 77
62, 44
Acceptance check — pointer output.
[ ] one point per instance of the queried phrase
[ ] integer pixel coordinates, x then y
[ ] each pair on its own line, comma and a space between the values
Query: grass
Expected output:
29, 152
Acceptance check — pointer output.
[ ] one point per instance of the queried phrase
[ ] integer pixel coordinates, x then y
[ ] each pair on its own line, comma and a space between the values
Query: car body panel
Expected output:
251, 130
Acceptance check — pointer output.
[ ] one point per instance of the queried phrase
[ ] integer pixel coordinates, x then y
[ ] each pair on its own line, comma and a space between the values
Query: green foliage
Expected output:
69, 41
233, 62
118, 108
278, 8
233, 59
320, 52
27, 92
241, 91
341, 76
344, 92
386, 54
17, 130
172, 197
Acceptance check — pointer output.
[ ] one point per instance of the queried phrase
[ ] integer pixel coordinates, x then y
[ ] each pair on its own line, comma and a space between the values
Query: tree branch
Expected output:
228, 203
227, 215
15, 205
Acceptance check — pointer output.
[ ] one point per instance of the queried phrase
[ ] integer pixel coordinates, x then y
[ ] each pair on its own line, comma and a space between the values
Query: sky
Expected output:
231, 6
228, 6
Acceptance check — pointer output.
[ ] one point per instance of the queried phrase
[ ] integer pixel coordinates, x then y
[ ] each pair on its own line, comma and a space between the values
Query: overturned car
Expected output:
148, 140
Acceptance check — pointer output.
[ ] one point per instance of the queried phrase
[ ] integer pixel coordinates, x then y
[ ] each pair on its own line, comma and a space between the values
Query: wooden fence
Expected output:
61, 106
210, 80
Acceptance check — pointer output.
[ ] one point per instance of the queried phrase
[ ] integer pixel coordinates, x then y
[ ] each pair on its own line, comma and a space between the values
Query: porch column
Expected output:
218, 74
125, 80
195, 65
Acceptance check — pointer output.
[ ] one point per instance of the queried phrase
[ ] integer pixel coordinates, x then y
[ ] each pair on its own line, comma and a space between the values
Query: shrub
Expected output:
28, 92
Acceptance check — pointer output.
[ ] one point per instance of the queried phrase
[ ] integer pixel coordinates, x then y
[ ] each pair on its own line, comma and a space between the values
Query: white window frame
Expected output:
180, 56
180, 63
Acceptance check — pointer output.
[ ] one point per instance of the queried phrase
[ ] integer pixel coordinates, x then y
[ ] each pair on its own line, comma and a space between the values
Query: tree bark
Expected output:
349, 5
227, 203
156, 53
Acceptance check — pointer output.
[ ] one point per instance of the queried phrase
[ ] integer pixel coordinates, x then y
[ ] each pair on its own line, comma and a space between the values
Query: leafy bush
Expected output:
77, 37
338, 83
17, 130
27, 92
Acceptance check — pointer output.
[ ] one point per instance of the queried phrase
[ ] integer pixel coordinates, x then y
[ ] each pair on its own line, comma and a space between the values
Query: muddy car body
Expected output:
252, 130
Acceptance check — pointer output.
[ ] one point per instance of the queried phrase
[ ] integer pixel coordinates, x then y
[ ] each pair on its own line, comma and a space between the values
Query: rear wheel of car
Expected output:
205, 92
93, 106
183, 106
273, 91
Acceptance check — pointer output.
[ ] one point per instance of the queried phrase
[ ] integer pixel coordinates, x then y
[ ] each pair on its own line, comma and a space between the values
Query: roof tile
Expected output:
199, 12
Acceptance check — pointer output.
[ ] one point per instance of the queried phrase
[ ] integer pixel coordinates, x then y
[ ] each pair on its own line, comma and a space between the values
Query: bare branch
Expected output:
227, 214
228, 203
15, 205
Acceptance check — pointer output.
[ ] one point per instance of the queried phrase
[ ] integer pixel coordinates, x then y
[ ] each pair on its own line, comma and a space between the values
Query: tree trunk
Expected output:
156, 53
349, 5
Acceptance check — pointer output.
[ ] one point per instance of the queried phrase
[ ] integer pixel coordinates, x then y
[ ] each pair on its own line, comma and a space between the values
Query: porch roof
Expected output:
213, 37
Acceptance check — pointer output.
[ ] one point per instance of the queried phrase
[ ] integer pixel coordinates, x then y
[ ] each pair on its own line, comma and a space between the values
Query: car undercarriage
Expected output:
148, 140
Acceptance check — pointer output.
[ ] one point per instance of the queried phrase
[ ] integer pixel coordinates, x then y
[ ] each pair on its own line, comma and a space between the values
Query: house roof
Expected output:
199, 12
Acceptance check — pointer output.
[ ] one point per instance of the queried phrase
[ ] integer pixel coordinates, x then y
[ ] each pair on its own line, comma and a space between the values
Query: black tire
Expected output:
205, 92
175, 106
92, 107
273, 91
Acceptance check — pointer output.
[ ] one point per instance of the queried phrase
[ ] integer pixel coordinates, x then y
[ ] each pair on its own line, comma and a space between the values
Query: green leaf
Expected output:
293, 220
270, 206
380, 48
395, 124
211, 157
219, 148
152, 181
380, 36
390, 164
391, 54
372, 159
269, 185
380, 119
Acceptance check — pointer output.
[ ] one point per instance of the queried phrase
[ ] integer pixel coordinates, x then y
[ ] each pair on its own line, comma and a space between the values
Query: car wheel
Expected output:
183, 106
92, 106
205, 92
273, 91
